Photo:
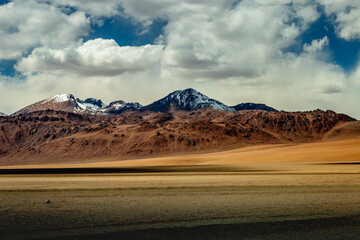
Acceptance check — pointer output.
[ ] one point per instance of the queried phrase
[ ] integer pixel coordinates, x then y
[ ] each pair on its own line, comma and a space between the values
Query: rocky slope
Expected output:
58, 136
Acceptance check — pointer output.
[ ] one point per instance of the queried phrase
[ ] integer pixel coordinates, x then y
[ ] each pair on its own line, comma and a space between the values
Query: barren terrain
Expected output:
46, 137
279, 190
283, 156
201, 205
297, 191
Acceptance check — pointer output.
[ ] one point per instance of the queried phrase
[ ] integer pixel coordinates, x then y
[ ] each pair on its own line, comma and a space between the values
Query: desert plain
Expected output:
278, 191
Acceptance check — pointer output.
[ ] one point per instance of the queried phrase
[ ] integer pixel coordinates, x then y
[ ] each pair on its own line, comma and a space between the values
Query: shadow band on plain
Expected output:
159, 169
347, 227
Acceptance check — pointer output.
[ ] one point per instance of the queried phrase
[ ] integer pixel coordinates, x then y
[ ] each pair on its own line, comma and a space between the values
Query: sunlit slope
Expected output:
343, 151
345, 131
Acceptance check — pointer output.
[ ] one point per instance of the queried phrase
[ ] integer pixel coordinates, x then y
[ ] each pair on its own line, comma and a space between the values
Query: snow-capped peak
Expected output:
188, 100
78, 105
61, 98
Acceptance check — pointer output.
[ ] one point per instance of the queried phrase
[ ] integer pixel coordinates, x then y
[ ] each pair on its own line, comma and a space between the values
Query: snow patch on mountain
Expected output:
2, 114
120, 106
90, 104
60, 98
133, 105
117, 106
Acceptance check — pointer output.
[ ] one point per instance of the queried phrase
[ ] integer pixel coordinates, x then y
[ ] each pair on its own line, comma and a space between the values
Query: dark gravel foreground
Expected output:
326, 228
180, 206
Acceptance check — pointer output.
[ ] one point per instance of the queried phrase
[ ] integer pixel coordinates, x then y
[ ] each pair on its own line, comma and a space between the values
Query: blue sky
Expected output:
134, 50
121, 29
125, 32
344, 53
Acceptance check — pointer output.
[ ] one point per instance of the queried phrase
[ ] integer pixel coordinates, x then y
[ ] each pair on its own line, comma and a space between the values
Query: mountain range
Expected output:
185, 100
68, 103
66, 129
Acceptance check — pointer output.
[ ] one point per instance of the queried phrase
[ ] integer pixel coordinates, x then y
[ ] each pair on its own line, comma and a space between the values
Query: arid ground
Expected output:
303, 191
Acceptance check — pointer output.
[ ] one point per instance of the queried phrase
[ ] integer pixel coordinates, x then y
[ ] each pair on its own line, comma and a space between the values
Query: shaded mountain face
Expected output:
56, 136
186, 100
2, 114
68, 103
253, 106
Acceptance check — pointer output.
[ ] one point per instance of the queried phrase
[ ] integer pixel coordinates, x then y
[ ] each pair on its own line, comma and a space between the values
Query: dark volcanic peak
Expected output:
187, 100
253, 106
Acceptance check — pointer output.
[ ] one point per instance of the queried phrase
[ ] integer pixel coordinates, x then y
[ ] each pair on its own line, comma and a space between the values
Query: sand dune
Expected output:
344, 131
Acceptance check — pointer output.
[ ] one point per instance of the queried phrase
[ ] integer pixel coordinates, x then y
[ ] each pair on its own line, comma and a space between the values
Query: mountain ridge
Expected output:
186, 100
49, 136
68, 103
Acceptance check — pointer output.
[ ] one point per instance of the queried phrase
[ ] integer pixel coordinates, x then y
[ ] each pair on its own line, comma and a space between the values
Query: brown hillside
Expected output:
346, 131
55, 136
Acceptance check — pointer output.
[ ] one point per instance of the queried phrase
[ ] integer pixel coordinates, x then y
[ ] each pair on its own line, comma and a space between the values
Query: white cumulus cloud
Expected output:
234, 52
99, 57
28, 24
316, 45
213, 40
346, 17
95, 8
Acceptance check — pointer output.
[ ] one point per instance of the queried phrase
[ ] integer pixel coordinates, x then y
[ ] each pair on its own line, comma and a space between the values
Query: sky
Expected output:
293, 55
